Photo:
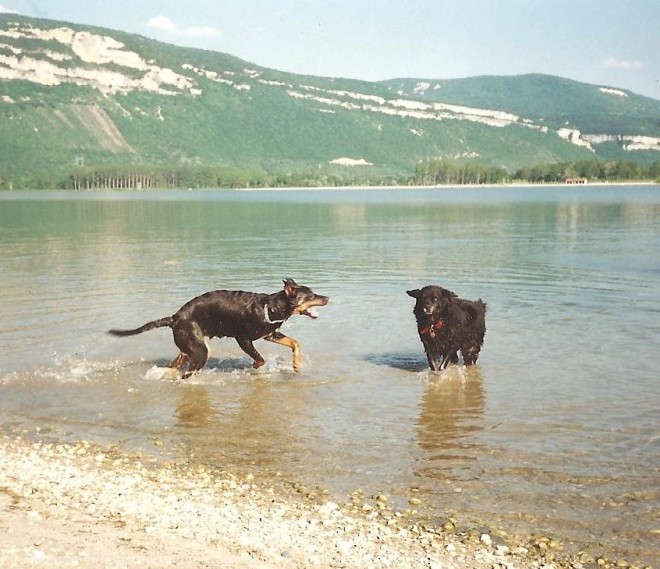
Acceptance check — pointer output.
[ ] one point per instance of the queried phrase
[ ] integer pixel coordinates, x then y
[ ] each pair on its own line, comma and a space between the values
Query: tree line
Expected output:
427, 173
139, 178
591, 170
450, 172
435, 172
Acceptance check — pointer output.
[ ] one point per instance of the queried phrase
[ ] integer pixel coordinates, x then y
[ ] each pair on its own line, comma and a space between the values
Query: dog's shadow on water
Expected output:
221, 364
405, 361
227, 365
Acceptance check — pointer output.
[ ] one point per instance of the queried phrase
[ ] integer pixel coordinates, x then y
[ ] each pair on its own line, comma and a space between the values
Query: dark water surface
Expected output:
555, 431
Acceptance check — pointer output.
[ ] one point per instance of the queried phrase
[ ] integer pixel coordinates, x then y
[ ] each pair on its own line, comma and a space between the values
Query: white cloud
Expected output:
4, 10
616, 63
166, 24
161, 23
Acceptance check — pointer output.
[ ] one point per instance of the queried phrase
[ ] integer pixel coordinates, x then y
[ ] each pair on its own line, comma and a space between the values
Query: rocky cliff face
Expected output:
83, 58
102, 62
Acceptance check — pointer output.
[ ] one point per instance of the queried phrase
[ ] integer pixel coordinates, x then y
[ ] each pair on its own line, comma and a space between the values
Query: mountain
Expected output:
76, 97
544, 99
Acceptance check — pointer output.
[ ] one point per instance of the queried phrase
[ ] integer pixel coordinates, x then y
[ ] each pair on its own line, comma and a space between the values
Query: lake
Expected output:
554, 432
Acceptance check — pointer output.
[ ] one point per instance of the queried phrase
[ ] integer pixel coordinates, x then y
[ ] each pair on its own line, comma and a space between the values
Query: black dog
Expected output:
447, 324
245, 316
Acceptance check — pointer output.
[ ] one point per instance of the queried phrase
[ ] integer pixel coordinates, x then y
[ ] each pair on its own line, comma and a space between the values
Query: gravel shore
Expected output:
88, 507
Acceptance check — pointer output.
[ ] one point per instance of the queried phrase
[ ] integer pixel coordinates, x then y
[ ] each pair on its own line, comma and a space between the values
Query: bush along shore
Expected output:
426, 173
80, 505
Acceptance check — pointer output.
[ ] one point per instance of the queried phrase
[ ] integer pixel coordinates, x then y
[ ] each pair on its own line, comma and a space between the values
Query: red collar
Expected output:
432, 328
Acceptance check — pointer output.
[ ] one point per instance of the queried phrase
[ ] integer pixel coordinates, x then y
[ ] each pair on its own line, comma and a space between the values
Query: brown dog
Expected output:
245, 316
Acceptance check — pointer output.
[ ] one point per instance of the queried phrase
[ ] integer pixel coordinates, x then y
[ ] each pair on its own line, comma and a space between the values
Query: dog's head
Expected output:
431, 300
303, 299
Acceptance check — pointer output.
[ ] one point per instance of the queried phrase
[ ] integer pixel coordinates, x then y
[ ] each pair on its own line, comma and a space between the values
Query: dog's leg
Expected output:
248, 347
470, 355
179, 361
197, 359
451, 357
283, 340
433, 362
190, 340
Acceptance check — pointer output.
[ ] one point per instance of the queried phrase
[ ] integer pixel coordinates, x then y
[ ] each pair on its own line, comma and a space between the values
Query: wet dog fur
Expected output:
244, 316
448, 324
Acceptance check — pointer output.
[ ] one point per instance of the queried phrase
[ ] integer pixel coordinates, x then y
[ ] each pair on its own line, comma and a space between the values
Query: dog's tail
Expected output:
160, 323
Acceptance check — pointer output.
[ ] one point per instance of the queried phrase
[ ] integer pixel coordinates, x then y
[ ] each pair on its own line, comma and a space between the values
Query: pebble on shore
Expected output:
69, 505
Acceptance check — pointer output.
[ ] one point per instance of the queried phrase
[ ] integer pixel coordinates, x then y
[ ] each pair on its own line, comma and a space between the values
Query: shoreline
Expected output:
508, 185
525, 185
416, 188
79, 505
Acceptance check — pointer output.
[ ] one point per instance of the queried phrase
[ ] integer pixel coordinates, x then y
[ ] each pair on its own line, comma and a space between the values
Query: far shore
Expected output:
452, 186
527, 185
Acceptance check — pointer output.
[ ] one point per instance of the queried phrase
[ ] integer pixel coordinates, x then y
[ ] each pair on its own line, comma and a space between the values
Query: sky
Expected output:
614, 43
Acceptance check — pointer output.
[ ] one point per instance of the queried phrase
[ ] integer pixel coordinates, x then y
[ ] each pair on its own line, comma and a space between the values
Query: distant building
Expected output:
576, 180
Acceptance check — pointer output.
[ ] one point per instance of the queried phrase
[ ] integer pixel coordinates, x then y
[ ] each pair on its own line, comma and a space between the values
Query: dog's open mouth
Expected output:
311, 312
309, 309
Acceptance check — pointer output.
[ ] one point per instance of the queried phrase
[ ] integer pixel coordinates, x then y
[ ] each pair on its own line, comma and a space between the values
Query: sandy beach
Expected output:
88, 507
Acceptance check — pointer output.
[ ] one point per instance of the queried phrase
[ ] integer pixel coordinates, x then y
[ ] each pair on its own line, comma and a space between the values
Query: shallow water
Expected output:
554, 431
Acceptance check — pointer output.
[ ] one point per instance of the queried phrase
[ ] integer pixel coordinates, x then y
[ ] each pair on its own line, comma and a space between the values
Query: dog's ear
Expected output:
449, 295
290, 287
416, 293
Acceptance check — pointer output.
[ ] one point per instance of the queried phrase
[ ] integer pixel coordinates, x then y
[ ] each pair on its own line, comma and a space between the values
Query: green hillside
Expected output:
545, 99
76, 100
